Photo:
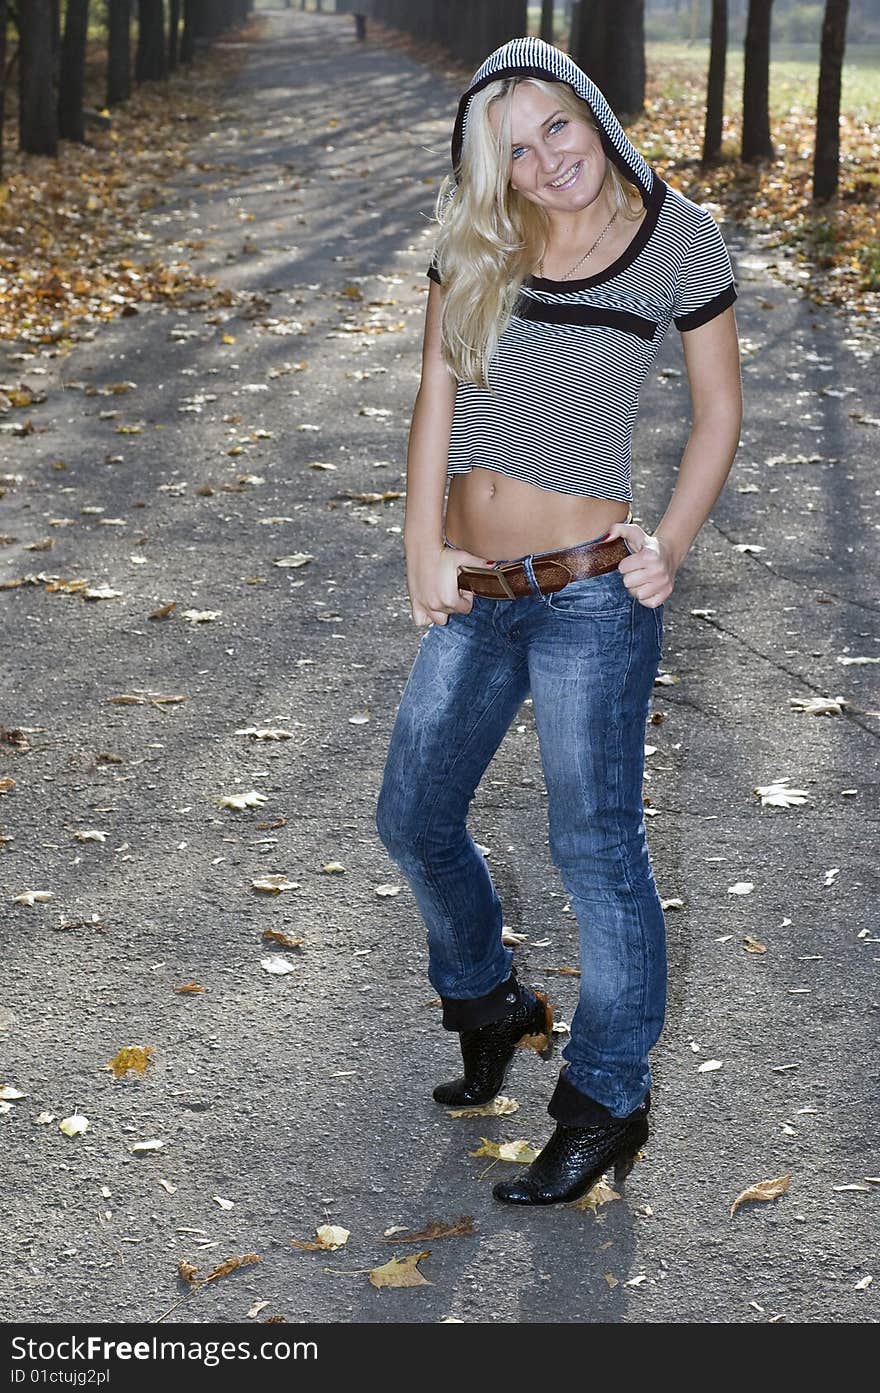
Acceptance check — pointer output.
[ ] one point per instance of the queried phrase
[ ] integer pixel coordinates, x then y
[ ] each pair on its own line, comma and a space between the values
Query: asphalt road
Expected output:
305, 1098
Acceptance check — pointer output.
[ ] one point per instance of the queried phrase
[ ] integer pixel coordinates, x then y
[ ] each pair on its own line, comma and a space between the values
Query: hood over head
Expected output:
531, 57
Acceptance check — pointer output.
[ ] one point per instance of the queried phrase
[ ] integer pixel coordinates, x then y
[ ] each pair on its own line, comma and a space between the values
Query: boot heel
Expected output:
622, 1167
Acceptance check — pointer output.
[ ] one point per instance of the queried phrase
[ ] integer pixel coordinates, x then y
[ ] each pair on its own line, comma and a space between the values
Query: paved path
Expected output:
304, 1099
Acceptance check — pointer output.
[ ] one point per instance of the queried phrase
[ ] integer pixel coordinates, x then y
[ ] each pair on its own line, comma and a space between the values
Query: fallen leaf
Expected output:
742, 887
274, 884
499, 1107
819, 706
255, 1310
278, 936
258, 733
163, 611
764, 1190
152, 1145
168, 1187
333, 868
505, 1151
599, 1194
132, 1057
863, 1284
387, 890
201, 616
327, 1239
710, 1066
777, 795
224, 1204
400, 1272
831, 876
297, 559
239, 801
189, 989
277, 965
674, 903
74, 1125
90, 835
7, 1092
32, 897
460, 1228
187, 1272
753, 945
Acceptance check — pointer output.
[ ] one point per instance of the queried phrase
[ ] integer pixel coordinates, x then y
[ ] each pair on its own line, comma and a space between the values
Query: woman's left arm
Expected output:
711, 356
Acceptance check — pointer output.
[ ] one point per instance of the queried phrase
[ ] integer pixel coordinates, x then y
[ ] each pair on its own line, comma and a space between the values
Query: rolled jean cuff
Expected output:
470, 1013
574, 1109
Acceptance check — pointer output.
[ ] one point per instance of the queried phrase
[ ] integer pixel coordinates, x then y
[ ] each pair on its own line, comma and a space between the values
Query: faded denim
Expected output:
588, 655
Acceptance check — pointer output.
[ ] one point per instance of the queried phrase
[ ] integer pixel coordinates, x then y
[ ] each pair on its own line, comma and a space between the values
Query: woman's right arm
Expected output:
431, 567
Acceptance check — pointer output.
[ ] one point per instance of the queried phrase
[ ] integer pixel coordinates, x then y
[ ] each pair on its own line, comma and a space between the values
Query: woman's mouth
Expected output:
566, 180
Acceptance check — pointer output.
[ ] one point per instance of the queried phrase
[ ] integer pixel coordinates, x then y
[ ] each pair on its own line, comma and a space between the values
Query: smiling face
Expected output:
557, 159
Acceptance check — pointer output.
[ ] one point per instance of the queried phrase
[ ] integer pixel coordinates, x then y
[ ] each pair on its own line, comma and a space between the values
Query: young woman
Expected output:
560, 261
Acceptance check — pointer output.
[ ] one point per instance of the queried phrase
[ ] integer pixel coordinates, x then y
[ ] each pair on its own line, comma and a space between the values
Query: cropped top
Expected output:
565, 379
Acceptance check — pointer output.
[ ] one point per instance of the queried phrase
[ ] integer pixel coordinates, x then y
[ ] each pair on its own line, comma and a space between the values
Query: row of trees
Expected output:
51, 52
607, 39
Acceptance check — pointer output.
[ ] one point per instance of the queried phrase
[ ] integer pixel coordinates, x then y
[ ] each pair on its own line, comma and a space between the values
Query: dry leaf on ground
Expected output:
506, 1150
499, 1107
327, 1239
278, 936
239, 801
187, 1272
459, 1229
231, 1265
277, 965
74, 1125
189, 989
133, 1058
32, 897
764, 1190
753, 945
274, 884
153, 1144
599, 1194
400, 1272
779, 795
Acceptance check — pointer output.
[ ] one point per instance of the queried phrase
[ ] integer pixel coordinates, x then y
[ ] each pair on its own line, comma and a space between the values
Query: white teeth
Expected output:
558, 183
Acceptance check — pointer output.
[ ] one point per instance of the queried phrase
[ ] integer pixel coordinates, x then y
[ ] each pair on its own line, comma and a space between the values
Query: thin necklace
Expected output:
586, 253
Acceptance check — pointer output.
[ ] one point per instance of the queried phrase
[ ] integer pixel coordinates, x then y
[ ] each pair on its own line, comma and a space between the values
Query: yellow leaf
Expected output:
73, 1126
231, 1264
499, 1107
601, 1193
132, 1057
753, 945
764, 1190
400, 1272
228, 338
506, 1151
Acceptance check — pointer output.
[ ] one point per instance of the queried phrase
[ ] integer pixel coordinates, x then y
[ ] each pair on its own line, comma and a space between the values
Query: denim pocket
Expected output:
592, 597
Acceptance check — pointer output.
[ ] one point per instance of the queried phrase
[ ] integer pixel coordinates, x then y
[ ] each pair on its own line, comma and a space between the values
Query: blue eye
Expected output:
560, 121
517, 152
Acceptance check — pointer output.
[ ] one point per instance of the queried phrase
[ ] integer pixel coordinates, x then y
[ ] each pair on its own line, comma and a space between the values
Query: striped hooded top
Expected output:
564, 383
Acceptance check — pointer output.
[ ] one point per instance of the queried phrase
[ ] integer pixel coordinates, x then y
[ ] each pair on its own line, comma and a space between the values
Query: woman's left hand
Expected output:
649, 572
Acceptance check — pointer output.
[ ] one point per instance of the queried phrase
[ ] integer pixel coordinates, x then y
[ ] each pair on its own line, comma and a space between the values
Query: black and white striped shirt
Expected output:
565, 379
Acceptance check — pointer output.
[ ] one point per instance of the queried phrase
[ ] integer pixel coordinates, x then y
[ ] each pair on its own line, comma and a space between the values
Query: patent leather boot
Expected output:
488, 1050
574, 1159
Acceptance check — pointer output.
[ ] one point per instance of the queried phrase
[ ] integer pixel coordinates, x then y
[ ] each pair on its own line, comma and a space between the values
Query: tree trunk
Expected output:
756, 142
150, 59
38, 102
173, 34
715, 89
826, 158
73, 71
547, 21
3, 23
608, 42
118, 51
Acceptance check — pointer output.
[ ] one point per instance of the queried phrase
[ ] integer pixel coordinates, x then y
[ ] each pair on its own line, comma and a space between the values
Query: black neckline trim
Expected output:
626, 258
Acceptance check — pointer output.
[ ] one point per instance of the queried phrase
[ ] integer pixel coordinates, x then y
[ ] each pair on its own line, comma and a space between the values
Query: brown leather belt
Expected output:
508, 580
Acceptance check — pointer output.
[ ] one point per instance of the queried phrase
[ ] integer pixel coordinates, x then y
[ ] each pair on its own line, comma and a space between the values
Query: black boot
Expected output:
488, 1050
574, 1159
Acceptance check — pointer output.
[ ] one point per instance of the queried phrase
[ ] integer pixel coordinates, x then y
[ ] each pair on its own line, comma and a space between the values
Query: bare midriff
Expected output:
499, 518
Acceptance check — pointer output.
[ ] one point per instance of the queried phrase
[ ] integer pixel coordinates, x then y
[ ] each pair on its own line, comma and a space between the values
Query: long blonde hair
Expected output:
490, 235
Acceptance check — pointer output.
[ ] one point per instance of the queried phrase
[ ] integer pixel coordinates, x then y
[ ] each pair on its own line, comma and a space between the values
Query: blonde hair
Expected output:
490, 235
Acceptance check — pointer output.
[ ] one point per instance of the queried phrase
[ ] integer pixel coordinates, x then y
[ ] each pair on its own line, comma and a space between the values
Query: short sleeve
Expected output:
706, 286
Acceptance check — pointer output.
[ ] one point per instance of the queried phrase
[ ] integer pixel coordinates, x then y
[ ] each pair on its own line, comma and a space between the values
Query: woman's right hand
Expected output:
432, 582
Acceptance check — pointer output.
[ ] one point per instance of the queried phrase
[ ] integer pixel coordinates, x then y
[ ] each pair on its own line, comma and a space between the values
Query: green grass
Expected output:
794, 75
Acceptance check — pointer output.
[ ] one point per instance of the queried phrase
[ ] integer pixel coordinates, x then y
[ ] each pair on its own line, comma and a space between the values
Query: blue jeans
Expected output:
588, 655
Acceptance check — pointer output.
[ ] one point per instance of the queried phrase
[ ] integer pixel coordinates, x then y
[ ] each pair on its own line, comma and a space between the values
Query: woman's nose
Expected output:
551, 160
